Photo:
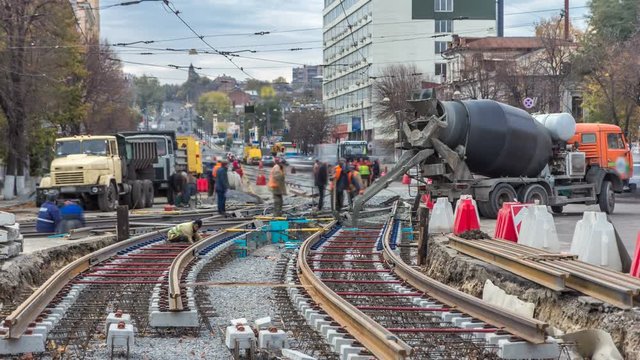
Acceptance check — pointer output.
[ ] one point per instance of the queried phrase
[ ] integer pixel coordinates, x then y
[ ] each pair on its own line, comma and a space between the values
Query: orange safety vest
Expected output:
272, 181
215, 170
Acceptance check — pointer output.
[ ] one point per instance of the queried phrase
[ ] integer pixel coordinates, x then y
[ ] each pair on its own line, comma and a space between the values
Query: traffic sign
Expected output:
528, 102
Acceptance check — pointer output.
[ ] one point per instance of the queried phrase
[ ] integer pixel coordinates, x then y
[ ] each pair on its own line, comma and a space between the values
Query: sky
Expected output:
236, 25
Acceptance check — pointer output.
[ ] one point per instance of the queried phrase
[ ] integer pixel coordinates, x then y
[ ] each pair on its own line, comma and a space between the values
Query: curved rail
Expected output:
183, 259
382, 343
528, 329
18, 321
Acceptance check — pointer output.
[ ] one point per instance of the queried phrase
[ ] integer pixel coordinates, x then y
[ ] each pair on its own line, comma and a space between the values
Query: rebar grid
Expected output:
302, 337
426, 344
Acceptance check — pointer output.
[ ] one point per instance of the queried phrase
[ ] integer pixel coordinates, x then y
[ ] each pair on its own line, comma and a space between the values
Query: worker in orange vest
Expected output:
277, 186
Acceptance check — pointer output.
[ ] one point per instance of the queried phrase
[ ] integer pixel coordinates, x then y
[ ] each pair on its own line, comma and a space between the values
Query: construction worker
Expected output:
365, 173
48, 216
277, 186
340, 184
185, 232
320, 178
222, 185
355, 184
211, 179
72, 217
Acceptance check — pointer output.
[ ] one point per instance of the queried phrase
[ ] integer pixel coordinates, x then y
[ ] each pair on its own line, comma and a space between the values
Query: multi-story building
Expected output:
306, 76
88, 18
362, 37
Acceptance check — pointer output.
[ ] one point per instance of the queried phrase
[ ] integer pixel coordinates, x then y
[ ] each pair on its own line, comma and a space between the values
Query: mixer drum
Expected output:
500, 140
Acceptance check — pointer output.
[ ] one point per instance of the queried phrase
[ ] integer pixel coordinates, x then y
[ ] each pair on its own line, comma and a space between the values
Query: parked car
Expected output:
268, 160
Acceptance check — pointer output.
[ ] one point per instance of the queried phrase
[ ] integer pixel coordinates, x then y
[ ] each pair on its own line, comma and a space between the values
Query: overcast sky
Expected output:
230, 25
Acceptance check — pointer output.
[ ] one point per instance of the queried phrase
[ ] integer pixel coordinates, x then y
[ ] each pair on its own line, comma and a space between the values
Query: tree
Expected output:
149, 95
397, 83
280, 80
28, 74
108, 95
213, 103
309, 127
267, 92
608, 62
255, 84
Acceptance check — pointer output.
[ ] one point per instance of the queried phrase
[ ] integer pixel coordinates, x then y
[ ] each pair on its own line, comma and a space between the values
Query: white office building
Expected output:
361, 37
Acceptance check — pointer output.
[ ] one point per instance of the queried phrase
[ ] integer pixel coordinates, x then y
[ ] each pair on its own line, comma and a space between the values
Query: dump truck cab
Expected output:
84, 167
607, 154
252, 154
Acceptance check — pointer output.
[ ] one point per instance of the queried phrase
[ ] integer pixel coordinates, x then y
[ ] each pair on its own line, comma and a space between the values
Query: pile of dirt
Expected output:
20, 276
567, 311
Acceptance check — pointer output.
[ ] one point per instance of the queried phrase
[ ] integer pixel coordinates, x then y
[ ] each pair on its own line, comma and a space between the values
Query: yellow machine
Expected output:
252, 154
193, 153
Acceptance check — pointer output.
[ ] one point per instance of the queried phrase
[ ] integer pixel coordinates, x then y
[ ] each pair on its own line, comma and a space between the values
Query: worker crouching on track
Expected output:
277, 186
48, 216
185, 232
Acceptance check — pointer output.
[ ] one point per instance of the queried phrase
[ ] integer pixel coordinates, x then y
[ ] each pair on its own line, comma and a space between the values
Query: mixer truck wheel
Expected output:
557, 209
607, 199
108, 200
501, 194
147, 187
534, 192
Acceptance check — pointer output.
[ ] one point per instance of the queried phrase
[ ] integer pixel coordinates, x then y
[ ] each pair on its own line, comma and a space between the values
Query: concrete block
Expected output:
524, 350
120, 336
295, 355
114, 318
174, 319
33, 343
7, 218
239, 321
345, 351
449, 316
319, 323
263, 323
462, 319
42, 330
324, 330
360, 357
13, 231
9, 250
4, 236
337, 342
239, 335
493, 339
268, 339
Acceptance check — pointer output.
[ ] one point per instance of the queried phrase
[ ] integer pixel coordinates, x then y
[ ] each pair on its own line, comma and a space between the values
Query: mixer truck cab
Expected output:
607, 155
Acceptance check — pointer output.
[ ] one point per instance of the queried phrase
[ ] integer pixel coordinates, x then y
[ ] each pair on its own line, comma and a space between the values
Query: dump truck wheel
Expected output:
108, 200
147, 187
137, 195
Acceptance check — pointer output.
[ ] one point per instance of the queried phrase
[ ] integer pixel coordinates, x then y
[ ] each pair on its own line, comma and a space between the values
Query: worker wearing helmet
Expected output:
185, 232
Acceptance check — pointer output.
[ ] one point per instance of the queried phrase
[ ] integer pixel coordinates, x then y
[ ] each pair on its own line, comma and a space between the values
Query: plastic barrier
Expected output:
463, 197
539, 230
635, 265
261, 180
441, 219
582, 232
426, 199
594, 241
505, 226
466, 216
202, 185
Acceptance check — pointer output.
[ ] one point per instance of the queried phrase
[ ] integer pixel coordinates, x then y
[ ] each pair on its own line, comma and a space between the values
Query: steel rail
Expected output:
528, 329
184, 258
610, 286
18, 321
373, 336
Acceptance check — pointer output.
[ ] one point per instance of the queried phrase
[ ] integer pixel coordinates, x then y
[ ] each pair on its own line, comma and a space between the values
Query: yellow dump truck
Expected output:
252, 154
193, 154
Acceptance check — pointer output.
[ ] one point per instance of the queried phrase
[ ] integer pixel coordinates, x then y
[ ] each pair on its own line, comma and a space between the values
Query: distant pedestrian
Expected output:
185, 232
222, 186
321, 178
72, 216
316, 166
177, 185
211, 180
277, 186
48, 216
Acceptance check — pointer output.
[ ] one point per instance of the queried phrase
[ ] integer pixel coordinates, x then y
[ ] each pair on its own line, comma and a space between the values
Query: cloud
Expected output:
233, 24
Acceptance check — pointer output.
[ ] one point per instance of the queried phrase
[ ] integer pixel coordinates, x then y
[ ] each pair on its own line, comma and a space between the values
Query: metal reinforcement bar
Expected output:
185, 257
379, 341
526, 328
542, 267
30, 309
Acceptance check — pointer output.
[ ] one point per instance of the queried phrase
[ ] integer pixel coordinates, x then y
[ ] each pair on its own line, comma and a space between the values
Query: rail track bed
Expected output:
133, 281
391, 311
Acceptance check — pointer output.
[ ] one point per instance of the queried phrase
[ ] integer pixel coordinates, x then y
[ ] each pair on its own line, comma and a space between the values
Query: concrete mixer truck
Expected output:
499, 153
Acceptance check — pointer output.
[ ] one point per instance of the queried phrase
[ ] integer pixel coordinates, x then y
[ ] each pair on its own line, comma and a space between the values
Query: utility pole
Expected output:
566, 20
